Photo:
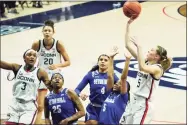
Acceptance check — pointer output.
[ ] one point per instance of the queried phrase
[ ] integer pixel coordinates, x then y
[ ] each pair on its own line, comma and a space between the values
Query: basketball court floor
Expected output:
87, 36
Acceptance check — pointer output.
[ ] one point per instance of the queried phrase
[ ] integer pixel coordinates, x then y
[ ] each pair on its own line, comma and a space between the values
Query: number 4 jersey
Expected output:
26, 84
50, 56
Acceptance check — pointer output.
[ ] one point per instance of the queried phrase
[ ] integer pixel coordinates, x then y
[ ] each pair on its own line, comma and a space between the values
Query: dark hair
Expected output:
165, 61
26, 52
49, 23
57, 74
96, 67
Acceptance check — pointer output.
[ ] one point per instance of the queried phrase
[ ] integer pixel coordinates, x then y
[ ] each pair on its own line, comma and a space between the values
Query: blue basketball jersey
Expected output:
98, 86
60, 106
113, 108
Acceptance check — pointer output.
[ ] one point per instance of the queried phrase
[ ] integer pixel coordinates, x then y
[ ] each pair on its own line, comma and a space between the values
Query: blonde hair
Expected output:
165, 61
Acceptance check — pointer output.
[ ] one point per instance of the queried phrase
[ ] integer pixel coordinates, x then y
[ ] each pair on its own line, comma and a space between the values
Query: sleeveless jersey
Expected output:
113, 108
48, 57
26, 84
60, 106
146, 84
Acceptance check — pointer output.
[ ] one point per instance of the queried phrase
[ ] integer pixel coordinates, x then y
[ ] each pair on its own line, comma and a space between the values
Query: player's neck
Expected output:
48, 42
151, 62
102, 71
28, 68
56, 91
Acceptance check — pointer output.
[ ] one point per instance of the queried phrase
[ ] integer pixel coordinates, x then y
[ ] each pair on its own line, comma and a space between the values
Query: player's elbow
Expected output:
68, 63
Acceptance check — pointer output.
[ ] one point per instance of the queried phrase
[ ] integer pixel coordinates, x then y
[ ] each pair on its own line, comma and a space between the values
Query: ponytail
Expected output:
94, 68
166, 63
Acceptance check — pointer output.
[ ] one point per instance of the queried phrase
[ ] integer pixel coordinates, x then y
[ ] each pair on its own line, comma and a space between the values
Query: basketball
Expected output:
132, 9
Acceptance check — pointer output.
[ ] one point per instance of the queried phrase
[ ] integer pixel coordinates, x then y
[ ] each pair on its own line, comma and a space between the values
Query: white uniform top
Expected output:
48, 57
146, 85
26, 84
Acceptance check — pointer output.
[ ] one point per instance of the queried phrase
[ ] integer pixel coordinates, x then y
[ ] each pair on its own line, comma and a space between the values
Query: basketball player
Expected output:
99, 91
50, 53
62, 103
27, 80
115, 103
150, 71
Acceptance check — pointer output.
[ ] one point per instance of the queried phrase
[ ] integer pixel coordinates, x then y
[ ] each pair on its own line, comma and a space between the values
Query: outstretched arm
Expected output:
110, 73
125, 73
152, 69
82, 84
130, 46
9, 66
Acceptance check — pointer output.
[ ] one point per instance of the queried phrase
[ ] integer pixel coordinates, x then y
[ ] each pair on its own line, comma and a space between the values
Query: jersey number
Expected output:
24, 86
48, 61
56, 109
104, 107
139, 81
103, 90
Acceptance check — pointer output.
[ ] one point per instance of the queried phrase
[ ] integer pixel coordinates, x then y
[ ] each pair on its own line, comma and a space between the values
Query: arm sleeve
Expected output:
82, 84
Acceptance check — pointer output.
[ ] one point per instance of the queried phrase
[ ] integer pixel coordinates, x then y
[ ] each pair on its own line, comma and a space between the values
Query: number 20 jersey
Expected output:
26, 84
50, 56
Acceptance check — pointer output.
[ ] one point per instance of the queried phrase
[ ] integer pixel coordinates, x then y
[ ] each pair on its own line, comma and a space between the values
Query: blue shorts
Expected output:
92, 112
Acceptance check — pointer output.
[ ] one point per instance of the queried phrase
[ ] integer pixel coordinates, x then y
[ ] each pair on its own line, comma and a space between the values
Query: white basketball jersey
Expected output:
26, 84
146, 85
48, 57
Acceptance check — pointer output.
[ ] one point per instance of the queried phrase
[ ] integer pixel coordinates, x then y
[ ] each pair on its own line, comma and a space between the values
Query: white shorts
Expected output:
22, 112
50, 73
138, 111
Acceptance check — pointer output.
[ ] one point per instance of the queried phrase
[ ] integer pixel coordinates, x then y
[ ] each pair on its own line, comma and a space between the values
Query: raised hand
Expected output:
130, 20
114, 51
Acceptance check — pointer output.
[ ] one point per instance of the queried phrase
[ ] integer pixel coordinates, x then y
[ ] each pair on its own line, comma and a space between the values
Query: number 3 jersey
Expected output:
26, 84
50, 56
146, 84
60, 106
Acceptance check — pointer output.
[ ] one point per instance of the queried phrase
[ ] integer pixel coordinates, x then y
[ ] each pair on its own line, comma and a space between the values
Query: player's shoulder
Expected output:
49, 95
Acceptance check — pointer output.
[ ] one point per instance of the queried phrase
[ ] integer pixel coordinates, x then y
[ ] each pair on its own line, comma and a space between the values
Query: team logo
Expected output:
175, 77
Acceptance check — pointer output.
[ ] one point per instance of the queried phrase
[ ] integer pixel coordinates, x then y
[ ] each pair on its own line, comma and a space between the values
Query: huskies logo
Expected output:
175, 77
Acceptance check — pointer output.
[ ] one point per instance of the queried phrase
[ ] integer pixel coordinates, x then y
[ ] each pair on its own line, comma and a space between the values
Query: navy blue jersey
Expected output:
60, 106
98, 86
113, 108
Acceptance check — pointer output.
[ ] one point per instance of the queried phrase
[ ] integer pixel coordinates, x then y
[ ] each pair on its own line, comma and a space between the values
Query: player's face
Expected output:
48, 32
151, 54
57, 81
30, 58
116, 87
103, 62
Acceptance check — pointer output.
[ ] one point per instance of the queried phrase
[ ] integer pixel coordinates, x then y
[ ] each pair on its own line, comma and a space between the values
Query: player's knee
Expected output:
40, 108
